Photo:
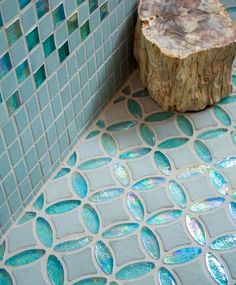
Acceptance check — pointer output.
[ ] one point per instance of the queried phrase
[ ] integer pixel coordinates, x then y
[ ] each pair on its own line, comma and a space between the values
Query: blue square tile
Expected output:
63, 52
42, 7
35, 176
20, 171
51, 135
1, 20
77, 104
9, 185
5, 165
99, 57
75, 86
72, 66
32, 39
31, 159
13, 103
23, 3
41, 146
39, 76
93, 84
9, 132
80, 54
18, 52
89, 47
54, 3
113, 21
4, 214
37, 128
72, 132
45, 165
14, 202
43, 97
45, 26
91, 66
3, 41
80, 122
26, 139
104, 11
5, 65
54, 152
60, 125
69, 114
15, 152
83, 75
94, 20
86, 94
25, 189
26, 89
97, 38
47, 117
36, 58
83, 13
9, 10
2, 196
3, 115
65, 96
22, 71
74, 40
49, 45
105, 29
53, 86
61, 34
28, 19
58, 15
107, 49
52, 63
9, 85
2, 145
32, 108
62, 76
70, 7
63, 142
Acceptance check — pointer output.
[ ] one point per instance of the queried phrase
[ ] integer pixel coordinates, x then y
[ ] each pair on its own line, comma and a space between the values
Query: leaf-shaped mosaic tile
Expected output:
193, 171
62, 207
135, 206
44, 232
136, 270
227, 162
177, 193
148, 183
79, 184
38, 204
122, 126
165, 277
232, 210
113, 283
71, 245
224, 242
185, 125
26, 217
121, 173
147, 134
212, 134
90, 218
5, 278
173, 143
233, 136
162, 162
150, 243
202, 151
207, 204
55, 270
109, 144
25, 257
182, 255
216, 269
93, 134
106, 195
119, 99
94, 163
222, 115
160, 116
164, 217
120, 230
2, 250
72, 159
140, 94
126, 90
62, 172
218, 182
134, 153
104, 257
92, 281
228, 100
134, 108
101, 123
195, 229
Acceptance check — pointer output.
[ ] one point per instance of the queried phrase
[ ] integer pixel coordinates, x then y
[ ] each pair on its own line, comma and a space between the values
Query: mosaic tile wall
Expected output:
60, 61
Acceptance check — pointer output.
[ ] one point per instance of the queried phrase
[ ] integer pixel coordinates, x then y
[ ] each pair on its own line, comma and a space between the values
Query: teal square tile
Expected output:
42, 8
63, 51
23, 3
80, 2
93, 5
49, 46
104, 11
1, 20
39, 76
22, 71
5, 65
13, 32
72, 23
85, 30
58, 15
32, 39
13, 103
9, 10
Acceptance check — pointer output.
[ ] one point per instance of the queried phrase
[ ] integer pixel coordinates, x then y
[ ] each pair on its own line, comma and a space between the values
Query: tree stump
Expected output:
185, 50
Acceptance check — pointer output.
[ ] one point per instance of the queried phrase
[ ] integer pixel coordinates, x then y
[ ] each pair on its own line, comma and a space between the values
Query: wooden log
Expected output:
185, 50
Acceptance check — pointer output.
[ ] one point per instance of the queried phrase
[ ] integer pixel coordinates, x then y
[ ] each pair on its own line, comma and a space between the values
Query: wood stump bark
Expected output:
185, 50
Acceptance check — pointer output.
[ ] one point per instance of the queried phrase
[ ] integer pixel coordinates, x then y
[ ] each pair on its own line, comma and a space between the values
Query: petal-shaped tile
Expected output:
193, 171
164, 217
2, 250
233, 136
106, 195
94, 163
93, 134
55, 270
177, 194
185, 125
227, 162
62, 172
90, 218
104, 257
212, 134
157, 117
182, 255
126, 90
207, 204
119, 99
120, 230
140, 94
228, 100
165, 277
101, 123
122, 126
71, 245
121, 173
92, 281
62, 207
173, 143
72, 159
218, 182
135, 206
44, 232
195, 229
109, 144
162, 162
216, 269
150, 243
222, 115
79, 184
38, 204
202, 151
25, 257
136, 270
5, 278
134, 108
224, 242
148, 183
26, 217
232, 210
136, 152
147, 134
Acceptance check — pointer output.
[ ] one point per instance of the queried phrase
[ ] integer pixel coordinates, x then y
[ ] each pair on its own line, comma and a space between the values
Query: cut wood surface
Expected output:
185, 50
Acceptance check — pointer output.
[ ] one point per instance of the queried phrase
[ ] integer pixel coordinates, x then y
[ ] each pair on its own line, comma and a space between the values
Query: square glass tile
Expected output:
63, 51
49, 45
42, 7
93, 4
104, 11
23, 3
32, 39
22, 71
85, 30
72, 23
13, 32
1, 21
80, 2
13, 103
5, 65
39, 76
58, 15
0, 98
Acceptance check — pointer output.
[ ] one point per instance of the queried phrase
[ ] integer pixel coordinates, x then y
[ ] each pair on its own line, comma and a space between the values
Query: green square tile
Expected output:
63, 51
13, 32
84, 30
42, 8
80, 2
5, 65
58, 15
13, 103
72, 23
39, 76
104, 11
93, 4
32, 39
49, 45
22, 71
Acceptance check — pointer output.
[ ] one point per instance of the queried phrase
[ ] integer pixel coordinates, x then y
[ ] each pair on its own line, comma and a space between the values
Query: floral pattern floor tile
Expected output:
147, 197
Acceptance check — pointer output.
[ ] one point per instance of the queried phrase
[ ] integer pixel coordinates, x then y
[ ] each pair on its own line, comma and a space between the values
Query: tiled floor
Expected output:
148, 197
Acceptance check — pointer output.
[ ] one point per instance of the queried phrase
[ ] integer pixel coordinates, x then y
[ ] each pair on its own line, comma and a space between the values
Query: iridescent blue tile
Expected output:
71, 245
13, 32
150, 243
135, 206
92, 280
104, 257
23, 3
13, 103
120, 230
22, 71
185, 125
42, 8
216, 269
49, 46
202, 151
5, 278
63, 52
195, 229
84, 30
222, 115
44, 232
182, 255
134, 108
93, 5
58, 15
62, 207
38, 204
32, 39
91, 219
39, 76
5, 65
104, 11
26, 217
25, 257
55, 270
224, 242
135, 270
106, 195
79, 184
165, 277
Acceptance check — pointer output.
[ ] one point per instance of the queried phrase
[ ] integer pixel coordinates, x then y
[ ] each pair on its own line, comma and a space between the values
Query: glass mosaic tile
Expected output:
104, 11
13, 32
63, 51
39, 76
1, 21
13, 103
0, 98
32, 39
58, 15
93, 5
84, 30
22, 71
5, 65
23, 3
49, 45
72, 23
80, 2
42, 7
